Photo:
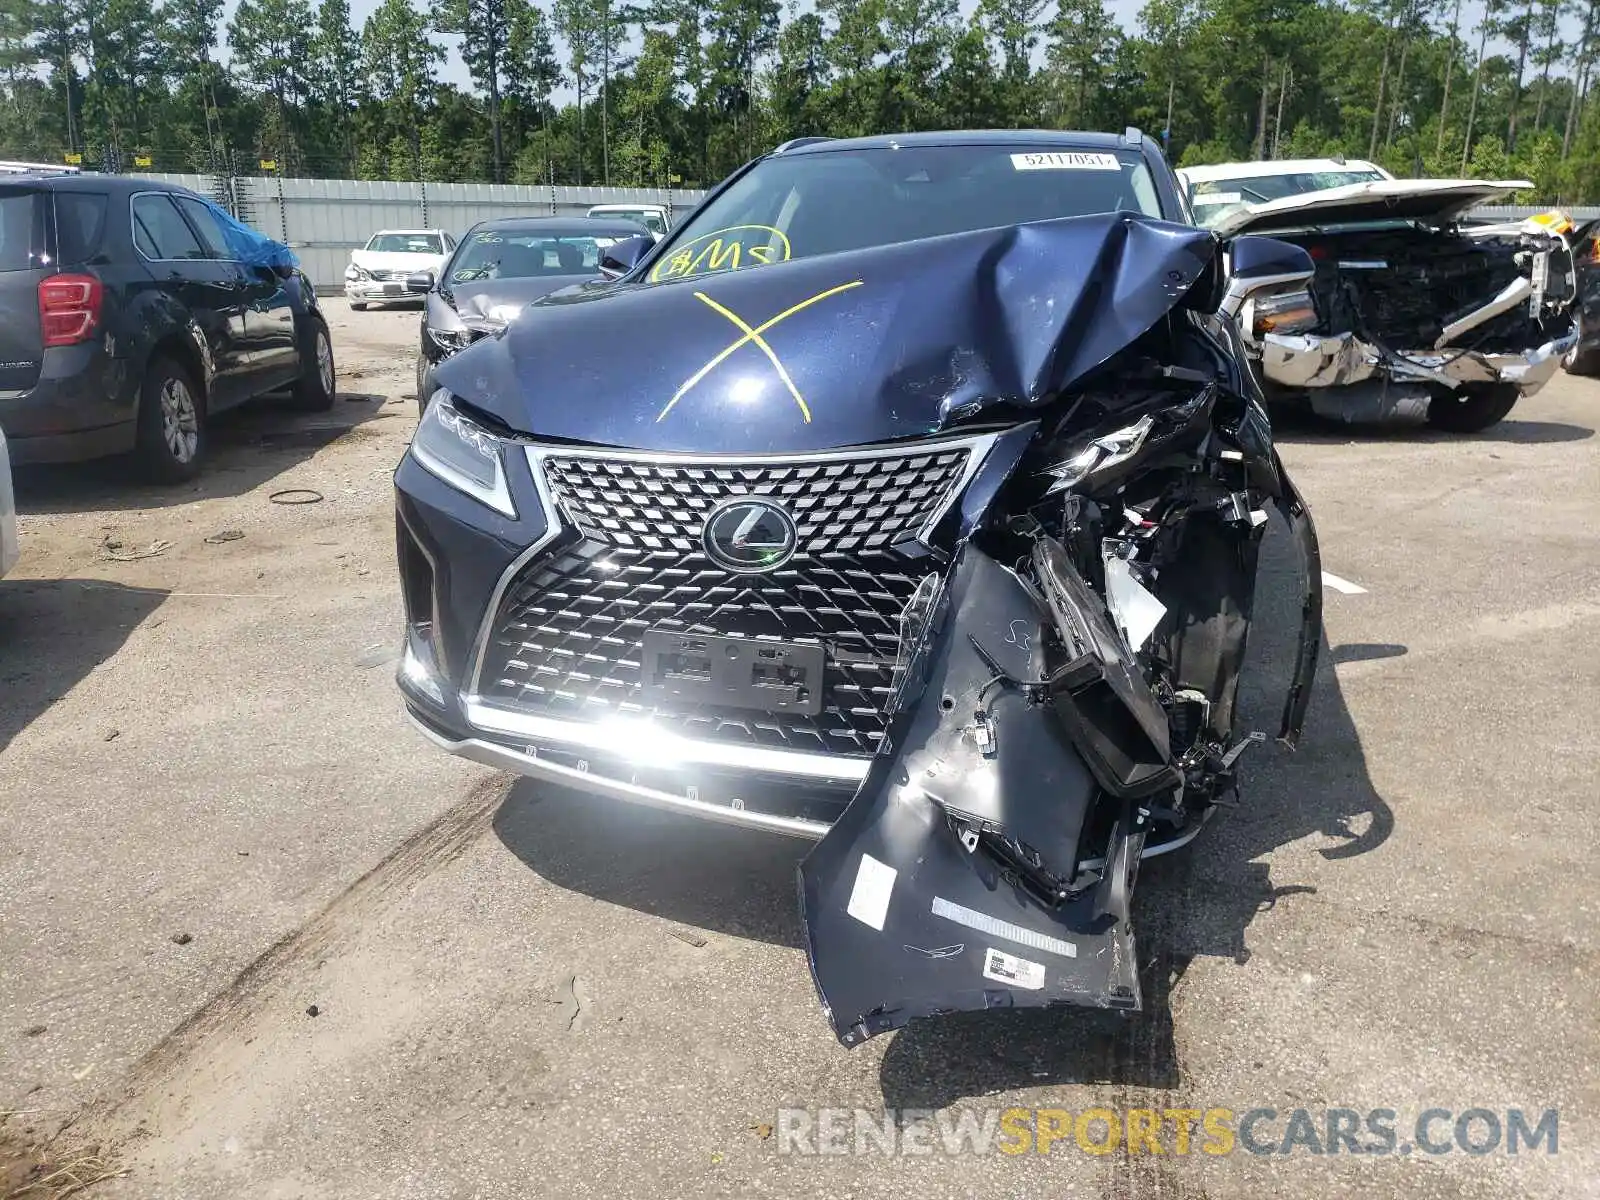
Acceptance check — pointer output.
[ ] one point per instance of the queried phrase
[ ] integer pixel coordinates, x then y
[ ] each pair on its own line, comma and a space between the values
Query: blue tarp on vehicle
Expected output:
251, 245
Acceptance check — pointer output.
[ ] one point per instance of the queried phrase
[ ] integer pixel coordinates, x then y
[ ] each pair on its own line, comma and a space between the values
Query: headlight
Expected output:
354, 272
1099, 454
463, 454
452, 339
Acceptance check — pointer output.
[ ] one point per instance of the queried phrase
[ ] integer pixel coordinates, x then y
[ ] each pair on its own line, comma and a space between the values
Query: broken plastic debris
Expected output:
1135, 608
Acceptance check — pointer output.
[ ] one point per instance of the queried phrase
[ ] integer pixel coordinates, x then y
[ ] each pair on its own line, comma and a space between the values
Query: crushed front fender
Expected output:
906, 914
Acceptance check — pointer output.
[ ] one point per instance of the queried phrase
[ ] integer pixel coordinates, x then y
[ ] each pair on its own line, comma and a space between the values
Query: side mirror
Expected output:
281, 261
617, 260
420, 283
1257, 264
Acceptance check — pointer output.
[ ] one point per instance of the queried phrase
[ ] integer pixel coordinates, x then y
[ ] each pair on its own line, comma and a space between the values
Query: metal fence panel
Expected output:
324, 219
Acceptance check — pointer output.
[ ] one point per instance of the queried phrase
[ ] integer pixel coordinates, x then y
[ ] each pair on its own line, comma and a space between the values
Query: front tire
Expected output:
424, 390
1581, 362
1474, 408
358, 306
314, 390
171, 442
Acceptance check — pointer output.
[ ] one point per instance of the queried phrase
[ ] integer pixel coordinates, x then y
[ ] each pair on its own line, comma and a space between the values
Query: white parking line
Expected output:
1342, 585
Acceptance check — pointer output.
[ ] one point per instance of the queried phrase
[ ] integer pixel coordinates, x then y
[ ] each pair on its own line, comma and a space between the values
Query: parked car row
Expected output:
379, 272
132, 312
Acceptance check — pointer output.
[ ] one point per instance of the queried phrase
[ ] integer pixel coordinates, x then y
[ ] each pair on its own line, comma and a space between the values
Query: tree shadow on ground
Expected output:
1300, 426
53, 633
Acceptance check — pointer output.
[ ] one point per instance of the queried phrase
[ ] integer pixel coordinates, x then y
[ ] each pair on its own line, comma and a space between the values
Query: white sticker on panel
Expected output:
869, 899
1065, 160
1013, 971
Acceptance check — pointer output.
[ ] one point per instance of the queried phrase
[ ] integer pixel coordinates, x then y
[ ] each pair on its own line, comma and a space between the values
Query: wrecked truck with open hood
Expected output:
1415, 311
907, 497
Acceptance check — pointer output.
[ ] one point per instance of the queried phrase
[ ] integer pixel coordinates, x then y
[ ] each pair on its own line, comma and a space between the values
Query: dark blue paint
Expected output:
938, 331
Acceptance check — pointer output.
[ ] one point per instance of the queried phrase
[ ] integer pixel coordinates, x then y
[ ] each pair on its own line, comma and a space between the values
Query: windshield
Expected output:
406, 243
507, 254
1216, 198
822, 203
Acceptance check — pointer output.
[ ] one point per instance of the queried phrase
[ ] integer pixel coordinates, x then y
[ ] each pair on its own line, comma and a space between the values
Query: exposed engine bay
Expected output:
1414, 313
1421, 287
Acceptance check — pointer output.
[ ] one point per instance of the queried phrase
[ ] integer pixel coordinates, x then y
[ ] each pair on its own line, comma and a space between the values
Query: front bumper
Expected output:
378, 291
458, 561
533, 763
1301, 361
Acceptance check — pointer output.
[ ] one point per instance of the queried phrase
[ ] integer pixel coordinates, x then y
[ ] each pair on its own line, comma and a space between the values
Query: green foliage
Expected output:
680, 92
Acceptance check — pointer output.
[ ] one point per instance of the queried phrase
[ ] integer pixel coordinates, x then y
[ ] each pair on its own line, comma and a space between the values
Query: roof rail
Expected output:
1132, 136
28, 168
796, 143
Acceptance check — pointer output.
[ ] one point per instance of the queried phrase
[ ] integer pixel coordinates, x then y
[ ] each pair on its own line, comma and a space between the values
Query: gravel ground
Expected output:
217, 824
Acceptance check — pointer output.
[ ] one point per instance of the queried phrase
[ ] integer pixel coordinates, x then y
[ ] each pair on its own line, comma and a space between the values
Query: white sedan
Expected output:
379, 270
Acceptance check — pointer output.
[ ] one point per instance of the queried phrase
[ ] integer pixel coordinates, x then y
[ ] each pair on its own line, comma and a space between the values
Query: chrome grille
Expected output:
566, 642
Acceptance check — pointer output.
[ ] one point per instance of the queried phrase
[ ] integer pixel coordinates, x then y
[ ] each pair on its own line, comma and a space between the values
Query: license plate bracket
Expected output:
393, 289
697, 668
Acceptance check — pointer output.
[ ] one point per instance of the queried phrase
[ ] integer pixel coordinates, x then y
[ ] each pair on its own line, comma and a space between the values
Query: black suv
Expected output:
132, 311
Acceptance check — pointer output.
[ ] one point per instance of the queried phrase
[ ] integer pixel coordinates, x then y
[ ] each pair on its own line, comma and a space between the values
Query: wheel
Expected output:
424, 390
1581, 362
171, 443
358, 306
314, 390
1473, 408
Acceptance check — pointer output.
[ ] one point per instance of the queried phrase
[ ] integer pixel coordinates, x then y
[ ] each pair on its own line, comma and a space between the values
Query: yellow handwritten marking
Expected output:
687, 260
754, 335
721, 259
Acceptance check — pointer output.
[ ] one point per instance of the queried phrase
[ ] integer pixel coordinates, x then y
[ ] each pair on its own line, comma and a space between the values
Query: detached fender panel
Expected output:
902, 919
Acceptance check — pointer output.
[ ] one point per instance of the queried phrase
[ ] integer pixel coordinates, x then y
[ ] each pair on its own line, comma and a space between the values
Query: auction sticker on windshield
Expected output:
1066, 160
723, 250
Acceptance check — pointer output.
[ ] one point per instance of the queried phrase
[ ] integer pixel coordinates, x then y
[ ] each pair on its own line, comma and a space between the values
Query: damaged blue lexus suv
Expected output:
906, 497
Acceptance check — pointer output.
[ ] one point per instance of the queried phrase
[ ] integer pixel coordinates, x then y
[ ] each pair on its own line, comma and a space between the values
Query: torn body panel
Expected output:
908, 911
989, 858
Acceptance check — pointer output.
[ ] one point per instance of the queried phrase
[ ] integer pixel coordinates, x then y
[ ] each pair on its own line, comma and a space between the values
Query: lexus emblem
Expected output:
749, 534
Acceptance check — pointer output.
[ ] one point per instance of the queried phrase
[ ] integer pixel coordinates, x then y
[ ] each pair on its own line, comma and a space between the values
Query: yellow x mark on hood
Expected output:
753, 335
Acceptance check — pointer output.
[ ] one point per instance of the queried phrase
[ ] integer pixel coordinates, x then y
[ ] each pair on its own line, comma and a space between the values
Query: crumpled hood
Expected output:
1433, 200
499, 301
838, 349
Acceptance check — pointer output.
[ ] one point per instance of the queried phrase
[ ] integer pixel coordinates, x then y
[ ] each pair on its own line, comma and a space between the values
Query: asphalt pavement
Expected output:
258, 940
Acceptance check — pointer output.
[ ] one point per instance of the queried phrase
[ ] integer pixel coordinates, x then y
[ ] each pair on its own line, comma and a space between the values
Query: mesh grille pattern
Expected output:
567, 639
